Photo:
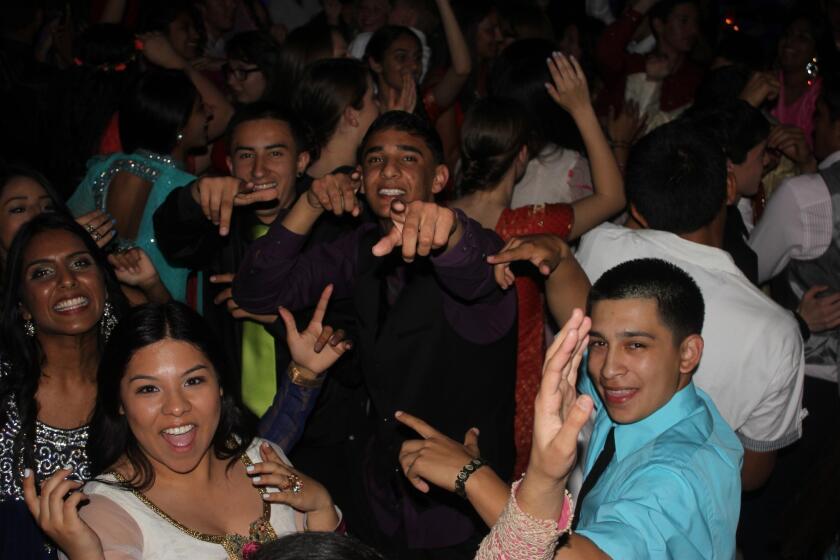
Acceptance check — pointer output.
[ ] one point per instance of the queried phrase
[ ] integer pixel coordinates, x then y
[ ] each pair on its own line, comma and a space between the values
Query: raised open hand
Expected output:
559, 414
435, 459
318, 347
100, 226
418, 227
403, 100
569, 88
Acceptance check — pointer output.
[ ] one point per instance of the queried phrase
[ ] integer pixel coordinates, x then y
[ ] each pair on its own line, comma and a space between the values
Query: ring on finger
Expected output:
89, 227
96, 235
294, 484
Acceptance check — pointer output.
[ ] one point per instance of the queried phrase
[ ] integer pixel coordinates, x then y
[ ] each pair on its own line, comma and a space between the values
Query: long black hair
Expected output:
494, 132
111, 437
14, 170
156, 110
325, 90
520, 72
23, 354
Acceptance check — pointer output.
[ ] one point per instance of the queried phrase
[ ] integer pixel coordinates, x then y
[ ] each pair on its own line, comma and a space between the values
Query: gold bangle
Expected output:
304, 377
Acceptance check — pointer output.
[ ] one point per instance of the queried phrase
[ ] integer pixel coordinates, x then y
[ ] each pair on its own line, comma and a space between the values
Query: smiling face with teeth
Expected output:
399, 165
171, 399
634, 361
62, 289
264, 152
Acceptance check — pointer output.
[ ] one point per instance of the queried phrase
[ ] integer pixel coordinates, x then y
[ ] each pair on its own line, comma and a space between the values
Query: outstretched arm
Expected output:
569, 90
447, 90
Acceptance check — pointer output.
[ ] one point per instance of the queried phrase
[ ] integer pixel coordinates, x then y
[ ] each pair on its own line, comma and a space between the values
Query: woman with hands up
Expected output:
494, 157
178, 473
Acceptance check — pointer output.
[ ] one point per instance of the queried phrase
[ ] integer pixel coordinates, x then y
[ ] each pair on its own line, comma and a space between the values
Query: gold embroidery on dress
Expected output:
261, 530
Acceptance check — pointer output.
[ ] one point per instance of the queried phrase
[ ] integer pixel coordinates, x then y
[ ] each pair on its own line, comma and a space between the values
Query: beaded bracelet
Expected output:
465, 473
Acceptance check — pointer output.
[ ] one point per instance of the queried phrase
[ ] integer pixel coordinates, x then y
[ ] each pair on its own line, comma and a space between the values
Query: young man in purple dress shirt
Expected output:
436, 334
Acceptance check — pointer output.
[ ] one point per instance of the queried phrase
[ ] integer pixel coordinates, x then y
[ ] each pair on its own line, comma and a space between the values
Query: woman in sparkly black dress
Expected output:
62, 299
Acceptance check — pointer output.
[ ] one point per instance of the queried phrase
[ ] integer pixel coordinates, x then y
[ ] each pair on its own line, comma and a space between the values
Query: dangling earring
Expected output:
29, 327
812, 69
108, 321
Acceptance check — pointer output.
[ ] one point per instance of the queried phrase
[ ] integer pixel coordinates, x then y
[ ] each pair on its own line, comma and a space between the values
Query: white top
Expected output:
131, 530
358, 45
797, 223
753, 361
556, 175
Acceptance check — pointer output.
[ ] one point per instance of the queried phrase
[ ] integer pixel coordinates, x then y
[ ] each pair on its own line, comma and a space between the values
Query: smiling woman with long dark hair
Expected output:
61, 300
178, 473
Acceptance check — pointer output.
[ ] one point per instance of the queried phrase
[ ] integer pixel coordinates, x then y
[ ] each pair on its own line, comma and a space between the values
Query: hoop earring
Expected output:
29, 328
108, 321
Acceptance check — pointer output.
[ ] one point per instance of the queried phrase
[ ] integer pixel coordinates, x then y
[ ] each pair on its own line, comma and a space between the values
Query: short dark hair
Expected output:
156, 110
493, 132
735, 125
110, 435
271, 111
411, 124
676, 178
260, 49
679, 301
317, 546
662, 9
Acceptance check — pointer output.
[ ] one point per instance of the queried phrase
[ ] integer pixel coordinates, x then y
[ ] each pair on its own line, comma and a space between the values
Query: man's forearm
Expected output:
302, 216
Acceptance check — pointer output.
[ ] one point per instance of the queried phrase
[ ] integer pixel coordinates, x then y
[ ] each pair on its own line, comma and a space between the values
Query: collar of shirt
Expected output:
629, 438
830, 160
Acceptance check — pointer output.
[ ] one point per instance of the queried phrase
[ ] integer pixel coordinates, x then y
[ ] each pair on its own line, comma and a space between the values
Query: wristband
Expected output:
304, 377
465, 473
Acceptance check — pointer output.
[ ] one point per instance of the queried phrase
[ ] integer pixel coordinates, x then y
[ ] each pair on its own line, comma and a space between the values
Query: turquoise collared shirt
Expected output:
673, 488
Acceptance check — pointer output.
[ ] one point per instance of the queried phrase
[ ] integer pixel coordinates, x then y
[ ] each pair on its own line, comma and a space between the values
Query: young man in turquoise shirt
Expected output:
667, 485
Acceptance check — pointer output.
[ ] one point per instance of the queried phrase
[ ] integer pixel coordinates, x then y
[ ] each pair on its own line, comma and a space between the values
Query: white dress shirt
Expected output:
797, 223
753, 361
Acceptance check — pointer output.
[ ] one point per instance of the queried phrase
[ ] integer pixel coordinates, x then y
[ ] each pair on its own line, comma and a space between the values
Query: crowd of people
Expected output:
419, 279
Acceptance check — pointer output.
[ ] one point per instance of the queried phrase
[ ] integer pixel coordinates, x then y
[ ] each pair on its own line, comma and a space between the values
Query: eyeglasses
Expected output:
239, 74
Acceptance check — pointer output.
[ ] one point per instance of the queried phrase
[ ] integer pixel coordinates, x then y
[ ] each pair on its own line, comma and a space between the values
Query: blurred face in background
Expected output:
183, 36
372, 14
245, 80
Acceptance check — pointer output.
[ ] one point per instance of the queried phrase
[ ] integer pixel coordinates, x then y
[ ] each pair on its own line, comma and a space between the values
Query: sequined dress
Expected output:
55, 448
164, 175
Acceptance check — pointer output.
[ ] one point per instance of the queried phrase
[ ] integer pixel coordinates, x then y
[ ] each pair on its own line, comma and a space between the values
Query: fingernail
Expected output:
27, 473
475, 431
398, 413
249, 468
68, 468
255, 479
265, 445
265, 496
212, 278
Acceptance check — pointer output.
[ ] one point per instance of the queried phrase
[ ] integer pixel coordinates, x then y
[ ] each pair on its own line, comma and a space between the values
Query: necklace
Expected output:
235, 545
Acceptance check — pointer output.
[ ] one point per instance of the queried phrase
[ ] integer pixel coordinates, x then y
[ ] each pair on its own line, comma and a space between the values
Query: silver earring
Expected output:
108, 321
29, 327
179, 137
